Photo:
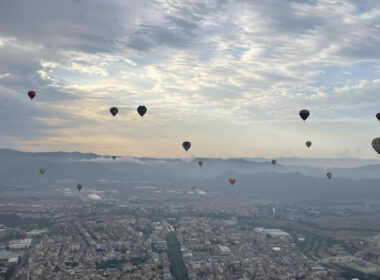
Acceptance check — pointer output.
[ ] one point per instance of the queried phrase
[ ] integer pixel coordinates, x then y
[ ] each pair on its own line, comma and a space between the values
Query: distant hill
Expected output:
294, 186
361, 172
327, 162
256, 178
12, 154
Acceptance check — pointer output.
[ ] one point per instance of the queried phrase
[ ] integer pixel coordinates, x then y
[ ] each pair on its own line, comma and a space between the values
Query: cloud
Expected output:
94, 196
4, 75
231, 63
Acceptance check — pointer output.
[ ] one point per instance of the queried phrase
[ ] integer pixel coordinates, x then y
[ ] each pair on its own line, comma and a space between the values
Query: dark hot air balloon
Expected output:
274, 161
114, 111
31, 94
308, 144
376, 144
79, 187
186, 145
329, 175
141, 110
200, 163
304, 114
232, 181
42, 171
113, 157
378, 116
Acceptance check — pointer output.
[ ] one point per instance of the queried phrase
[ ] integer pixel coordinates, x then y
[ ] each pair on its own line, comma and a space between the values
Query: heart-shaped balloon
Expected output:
232, 181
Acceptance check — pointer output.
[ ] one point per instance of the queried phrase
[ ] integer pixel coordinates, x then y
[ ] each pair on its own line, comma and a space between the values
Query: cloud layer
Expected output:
230, 76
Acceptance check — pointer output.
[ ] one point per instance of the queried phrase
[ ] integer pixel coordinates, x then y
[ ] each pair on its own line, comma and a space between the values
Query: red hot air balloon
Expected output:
114, 111
31, 94
378, 116
232, 181
23, 234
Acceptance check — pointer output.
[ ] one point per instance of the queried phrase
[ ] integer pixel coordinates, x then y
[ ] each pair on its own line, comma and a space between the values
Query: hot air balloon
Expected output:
193, 187
304, 114
186, 145
42, 171
114, 111
31, 94
376, 144
23, 234
200, 163
79, 187
378, 116
113, 157
329, 175
141, 110
274, 161
308, 144
232, 181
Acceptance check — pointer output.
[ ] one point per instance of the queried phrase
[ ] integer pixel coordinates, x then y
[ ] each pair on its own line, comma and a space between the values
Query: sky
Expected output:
228, 76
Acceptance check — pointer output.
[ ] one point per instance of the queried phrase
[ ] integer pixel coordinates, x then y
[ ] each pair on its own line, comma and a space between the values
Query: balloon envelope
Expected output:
186, 145
308, 144
232, 181
376, 144
329, 175
42, 171
141, 110
274, 161
31, 94
114, 111
304, 114
378, 116
200, 163
113, 157
79, 187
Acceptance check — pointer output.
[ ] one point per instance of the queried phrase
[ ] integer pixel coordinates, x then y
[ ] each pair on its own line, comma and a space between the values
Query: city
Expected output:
189, 140
171, 234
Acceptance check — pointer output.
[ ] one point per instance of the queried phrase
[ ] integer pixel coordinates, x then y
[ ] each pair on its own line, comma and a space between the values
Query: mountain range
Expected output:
290, 178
